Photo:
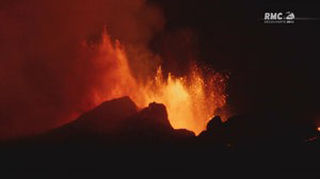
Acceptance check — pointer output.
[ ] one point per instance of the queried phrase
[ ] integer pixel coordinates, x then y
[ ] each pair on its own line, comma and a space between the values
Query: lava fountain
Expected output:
191, 100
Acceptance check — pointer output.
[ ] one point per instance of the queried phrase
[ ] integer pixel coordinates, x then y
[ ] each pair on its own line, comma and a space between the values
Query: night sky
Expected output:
273, 67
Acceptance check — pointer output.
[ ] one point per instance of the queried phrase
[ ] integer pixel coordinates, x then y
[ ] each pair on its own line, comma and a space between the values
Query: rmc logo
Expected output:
279, 17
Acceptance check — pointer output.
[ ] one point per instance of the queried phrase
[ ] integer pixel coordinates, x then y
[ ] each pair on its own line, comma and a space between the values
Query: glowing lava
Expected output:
191, 100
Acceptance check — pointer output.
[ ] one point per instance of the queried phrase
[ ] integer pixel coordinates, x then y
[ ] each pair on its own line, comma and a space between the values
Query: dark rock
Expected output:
152, 124
109, 117
214, 123
106, 119
183, 134
155, 116
118, 121
214, 134
268, 131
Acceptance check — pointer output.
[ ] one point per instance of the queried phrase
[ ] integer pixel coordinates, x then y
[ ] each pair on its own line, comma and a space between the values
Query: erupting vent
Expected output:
191, 100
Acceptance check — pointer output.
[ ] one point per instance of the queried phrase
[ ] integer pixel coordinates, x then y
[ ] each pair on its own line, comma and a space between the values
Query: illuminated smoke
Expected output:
48, 77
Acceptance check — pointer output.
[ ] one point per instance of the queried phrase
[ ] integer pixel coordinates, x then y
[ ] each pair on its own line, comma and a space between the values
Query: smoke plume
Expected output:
47, 77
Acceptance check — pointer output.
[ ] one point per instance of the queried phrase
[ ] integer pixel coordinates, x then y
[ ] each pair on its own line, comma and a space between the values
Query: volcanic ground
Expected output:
116, 134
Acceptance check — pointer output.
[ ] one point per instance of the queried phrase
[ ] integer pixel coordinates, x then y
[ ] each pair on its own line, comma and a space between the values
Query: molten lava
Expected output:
191, 100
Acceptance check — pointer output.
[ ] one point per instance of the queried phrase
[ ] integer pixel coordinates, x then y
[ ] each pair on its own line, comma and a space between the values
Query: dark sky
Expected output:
273, 66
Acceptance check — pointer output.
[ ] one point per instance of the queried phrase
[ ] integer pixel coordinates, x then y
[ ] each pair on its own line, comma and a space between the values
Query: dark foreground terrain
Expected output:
115, 135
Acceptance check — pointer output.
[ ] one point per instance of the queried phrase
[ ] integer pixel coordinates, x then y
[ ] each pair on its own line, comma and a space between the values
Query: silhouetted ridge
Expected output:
263, 131
106, 119
119, 120
115, 133
151, 124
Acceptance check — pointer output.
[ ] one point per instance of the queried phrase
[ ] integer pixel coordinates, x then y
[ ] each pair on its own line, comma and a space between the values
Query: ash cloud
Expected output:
45, 77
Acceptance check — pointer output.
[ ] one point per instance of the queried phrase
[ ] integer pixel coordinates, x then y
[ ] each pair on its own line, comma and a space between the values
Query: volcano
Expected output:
115, 120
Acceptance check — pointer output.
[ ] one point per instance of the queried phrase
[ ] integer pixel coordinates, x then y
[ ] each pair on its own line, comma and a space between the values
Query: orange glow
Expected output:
318, 129
191, 100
